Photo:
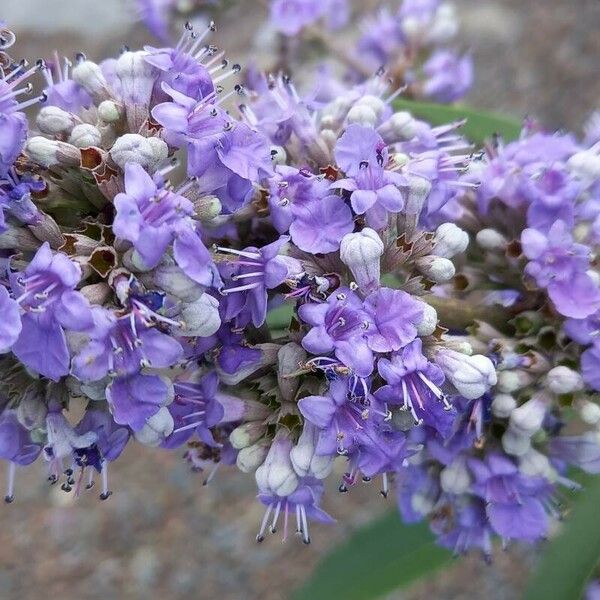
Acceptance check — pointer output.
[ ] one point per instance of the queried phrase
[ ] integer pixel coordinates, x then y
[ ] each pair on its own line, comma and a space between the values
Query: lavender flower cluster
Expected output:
442, 304
411, 39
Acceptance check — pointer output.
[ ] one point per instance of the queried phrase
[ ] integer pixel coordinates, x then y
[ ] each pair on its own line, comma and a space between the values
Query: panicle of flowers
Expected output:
300, 289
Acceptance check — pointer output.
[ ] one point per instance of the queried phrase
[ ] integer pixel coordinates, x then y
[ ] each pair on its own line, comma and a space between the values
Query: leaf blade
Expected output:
569, 560
377, 559
480, 125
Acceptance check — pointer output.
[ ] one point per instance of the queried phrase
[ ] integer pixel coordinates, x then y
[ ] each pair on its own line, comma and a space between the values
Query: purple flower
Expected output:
15, 441
362, 155
339, 325
194, 409
514, 502
414, 383
448, 76
256, 271
15, 197
62, 91
590, 363
559, 264
354, 425
290, 16
10, 328
181, 66
49, 304
302, 204
153, 218
155, 15
393, 316
111, 439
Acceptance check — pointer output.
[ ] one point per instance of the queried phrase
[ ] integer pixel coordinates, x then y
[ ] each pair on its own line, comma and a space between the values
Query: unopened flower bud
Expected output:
135, 148
455, 478
450, 240
47, 152
400, 126
362, 115
503, 405
472, 376
527, 419
53, 120
418, 192
156, 429
444, 26
513, 380
436, 268
428, 323
304, 459
247, 434
492, 240
276, 474
207, 208
90, 77
361, 253
585, 165
109, 111
589, 412
562, 380
535, 464
174, 281
201, 318
515, 444
252, 457
85, 135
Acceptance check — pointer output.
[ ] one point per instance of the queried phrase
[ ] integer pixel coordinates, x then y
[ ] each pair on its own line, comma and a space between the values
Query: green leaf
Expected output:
569, 560
279, 318
479, 126
376, 560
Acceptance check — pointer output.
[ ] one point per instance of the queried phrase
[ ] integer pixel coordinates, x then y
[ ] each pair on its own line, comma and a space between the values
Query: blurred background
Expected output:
163, 534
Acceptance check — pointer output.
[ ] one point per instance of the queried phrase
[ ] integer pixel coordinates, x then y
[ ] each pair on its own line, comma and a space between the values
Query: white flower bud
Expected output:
135, 148
361, 253
174, 281
109, 111
509, 381
472, 376
562, 380
375, 103
276, 475
137, 77
515, 444
535, 464
362, 114
418, 191
436, 268
53, 120
527, 419
455, 478
304, 460
85, 135
201, 318
400, 126
207, 208
492, 240
589, 412
503, 405
47, 152
252, 457
156, 429
585, 165
247, 434
89, 76
428, 323
444, 26
450, 240
278, 155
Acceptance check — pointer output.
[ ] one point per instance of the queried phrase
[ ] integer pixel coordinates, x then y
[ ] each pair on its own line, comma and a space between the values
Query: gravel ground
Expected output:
162, 534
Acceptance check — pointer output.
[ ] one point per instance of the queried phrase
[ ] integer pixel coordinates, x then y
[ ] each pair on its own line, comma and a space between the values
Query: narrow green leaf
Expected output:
569, 560
479, 126
279, 318
376, 560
